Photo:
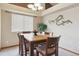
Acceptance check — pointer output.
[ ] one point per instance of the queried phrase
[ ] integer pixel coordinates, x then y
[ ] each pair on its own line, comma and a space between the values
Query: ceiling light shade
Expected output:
30, 6
40, 8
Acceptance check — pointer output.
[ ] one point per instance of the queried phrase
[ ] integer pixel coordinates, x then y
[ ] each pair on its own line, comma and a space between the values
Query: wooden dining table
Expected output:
34, 39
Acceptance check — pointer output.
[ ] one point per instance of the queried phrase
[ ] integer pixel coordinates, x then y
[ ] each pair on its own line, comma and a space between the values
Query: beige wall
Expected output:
69, 32
0, 28
36, 20
8, 38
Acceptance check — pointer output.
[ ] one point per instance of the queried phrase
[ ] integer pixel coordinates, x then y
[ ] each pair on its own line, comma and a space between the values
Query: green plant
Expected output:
41, 27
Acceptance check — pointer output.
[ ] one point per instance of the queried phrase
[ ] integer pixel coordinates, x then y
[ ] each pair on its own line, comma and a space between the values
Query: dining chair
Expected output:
23, 45
20, 44
26, 32
26, 45
50, 48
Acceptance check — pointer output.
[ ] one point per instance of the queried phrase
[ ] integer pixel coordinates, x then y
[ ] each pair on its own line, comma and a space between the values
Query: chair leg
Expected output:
25, 50
56, 54
22, 51
37, 53
25, 47
56, 50
19, 50
26, 53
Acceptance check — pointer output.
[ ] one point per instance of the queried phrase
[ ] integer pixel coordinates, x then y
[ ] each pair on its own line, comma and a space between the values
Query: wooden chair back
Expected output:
20, 37
52, 42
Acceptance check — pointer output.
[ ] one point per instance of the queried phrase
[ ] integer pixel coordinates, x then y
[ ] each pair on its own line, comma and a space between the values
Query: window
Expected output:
21, 23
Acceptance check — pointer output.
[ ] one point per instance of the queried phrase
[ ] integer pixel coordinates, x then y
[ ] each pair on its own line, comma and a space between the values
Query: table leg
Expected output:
31, 49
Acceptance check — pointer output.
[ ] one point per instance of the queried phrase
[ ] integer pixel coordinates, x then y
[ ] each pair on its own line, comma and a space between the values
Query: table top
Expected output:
32, 37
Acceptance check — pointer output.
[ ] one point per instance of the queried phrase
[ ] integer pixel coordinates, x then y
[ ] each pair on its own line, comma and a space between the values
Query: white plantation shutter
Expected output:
28, 23
21, 23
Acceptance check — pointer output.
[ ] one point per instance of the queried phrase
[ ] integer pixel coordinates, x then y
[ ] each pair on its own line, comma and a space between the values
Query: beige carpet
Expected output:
13, 51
